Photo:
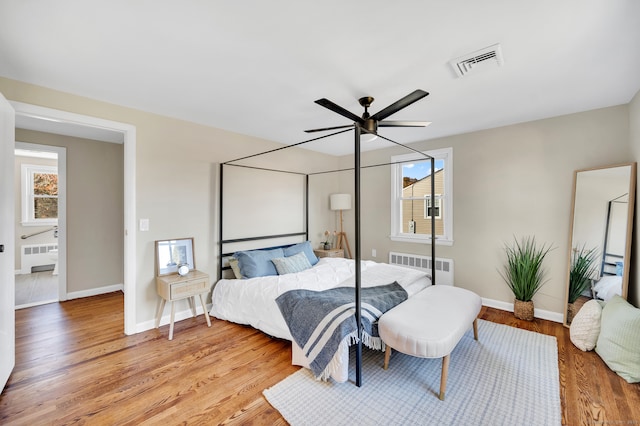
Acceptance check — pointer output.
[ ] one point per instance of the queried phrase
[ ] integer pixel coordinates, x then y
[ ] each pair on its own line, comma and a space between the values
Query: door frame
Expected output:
54, 120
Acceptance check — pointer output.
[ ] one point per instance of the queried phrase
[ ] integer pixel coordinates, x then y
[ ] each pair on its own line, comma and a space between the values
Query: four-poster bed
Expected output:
342, 272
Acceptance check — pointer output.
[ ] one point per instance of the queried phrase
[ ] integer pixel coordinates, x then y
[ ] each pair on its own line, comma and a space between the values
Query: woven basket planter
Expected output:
523, 310
572, 310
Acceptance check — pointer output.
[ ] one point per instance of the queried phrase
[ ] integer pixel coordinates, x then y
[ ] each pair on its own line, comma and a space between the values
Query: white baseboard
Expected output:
538, 313
95, 291
180, 315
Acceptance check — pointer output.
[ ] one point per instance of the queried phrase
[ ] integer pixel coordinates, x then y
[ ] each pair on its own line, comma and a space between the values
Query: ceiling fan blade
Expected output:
403, 123
338, 109
328, 128
400, 104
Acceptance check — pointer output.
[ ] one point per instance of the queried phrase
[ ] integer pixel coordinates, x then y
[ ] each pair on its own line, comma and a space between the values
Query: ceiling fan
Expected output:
371, 122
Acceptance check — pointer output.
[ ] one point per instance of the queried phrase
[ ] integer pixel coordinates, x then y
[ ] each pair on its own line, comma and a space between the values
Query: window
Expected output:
39, 195
428, 209
411, 209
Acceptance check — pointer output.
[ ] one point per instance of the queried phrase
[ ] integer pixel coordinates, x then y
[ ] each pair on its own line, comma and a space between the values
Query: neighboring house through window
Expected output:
411, 209
39, 195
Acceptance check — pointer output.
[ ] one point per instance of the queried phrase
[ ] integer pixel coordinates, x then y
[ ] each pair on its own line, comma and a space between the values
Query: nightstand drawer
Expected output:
188, 288
329, 253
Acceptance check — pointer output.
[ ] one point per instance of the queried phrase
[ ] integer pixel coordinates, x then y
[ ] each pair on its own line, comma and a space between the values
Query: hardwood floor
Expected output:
75, 365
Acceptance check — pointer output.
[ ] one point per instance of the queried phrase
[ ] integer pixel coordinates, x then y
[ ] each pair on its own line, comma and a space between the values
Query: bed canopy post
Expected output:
358, 266
220, 237
433, 220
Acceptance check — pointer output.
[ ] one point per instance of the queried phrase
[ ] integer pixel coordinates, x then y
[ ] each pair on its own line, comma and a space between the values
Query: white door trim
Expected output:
129, 139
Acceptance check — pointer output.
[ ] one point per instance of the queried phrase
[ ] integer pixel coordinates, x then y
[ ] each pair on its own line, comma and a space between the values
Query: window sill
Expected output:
421, 240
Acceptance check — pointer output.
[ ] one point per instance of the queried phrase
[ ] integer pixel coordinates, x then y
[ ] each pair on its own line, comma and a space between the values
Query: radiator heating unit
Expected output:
36, 257
444, 267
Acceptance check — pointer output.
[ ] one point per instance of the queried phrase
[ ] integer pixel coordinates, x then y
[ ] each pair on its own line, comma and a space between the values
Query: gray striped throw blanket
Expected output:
319, 321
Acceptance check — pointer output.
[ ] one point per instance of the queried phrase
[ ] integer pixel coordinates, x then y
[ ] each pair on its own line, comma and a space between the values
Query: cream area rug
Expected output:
508, 377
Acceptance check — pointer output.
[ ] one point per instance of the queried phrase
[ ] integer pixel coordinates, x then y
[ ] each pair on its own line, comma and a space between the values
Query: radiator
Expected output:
444, 267
34, 255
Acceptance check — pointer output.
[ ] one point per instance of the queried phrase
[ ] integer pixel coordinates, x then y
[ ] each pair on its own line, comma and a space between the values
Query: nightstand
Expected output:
329, 253
176, 287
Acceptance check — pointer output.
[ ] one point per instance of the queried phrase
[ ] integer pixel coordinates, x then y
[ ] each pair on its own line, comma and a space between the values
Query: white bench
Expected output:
430, 325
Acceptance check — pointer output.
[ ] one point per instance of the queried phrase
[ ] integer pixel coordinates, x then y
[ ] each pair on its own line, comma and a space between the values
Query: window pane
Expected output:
416, 182
45, 208
45, 184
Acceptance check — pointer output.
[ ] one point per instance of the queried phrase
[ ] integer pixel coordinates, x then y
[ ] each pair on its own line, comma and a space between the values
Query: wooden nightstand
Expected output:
329, 253
175, 287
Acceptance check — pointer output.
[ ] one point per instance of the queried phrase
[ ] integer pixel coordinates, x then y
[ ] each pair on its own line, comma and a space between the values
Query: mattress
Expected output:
252, 301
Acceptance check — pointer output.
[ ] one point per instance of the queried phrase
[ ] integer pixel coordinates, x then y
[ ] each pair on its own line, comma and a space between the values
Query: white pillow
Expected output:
585, 327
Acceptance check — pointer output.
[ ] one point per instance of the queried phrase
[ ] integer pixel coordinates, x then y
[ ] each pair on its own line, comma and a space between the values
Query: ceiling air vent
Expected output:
483, 58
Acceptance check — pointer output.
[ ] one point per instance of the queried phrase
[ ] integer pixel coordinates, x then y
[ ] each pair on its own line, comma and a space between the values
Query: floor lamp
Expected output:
341, 202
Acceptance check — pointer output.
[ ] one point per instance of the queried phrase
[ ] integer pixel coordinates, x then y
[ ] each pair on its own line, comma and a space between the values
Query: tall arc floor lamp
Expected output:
341, 202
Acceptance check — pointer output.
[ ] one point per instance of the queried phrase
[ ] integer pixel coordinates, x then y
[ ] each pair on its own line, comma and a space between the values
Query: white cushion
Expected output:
585, 326
431, 323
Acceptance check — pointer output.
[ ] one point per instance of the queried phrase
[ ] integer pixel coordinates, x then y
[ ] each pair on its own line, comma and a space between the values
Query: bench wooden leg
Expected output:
475, 328
443, 377
387, 356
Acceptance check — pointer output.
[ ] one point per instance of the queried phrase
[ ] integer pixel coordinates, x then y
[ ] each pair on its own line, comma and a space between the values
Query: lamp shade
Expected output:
340, 201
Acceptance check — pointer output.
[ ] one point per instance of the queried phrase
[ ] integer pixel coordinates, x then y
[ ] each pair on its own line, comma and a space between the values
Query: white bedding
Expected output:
252, 301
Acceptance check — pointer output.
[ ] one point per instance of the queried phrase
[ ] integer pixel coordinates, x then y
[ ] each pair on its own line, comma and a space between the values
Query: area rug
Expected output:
508, 377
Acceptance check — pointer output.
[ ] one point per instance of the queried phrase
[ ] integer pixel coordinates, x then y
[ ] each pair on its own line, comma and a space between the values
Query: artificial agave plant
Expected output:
523, 273
583, 268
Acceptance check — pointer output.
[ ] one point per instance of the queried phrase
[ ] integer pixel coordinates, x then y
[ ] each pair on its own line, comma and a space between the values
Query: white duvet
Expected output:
252, 301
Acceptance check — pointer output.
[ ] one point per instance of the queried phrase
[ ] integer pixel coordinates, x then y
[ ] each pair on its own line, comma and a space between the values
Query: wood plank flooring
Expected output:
74, 365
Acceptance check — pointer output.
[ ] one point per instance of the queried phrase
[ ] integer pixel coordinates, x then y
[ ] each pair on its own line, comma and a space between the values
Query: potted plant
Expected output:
583, 268
524, 275
326, 244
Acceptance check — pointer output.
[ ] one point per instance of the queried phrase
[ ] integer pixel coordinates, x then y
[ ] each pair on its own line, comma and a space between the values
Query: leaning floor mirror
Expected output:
600, 235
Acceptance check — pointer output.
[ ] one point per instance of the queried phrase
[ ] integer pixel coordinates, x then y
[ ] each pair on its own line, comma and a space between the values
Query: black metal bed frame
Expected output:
357, 184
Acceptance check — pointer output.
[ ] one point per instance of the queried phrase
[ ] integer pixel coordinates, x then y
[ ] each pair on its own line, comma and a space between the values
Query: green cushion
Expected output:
619, 341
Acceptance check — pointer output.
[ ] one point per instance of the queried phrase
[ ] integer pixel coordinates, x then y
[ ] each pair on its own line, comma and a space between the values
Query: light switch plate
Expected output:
144, 224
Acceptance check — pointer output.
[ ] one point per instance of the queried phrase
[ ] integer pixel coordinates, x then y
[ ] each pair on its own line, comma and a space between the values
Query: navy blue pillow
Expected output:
304, 247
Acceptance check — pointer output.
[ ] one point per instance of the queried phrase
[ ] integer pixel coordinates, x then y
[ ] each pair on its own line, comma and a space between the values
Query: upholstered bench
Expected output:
430, 325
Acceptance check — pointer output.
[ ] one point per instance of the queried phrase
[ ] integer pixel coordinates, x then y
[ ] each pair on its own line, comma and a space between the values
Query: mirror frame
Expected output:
189, 255
628, 231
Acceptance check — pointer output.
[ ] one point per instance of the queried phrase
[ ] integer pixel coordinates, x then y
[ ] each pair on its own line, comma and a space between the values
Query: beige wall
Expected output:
95, 209
634, 138
526, 169
510, 181
176, 158
45, 238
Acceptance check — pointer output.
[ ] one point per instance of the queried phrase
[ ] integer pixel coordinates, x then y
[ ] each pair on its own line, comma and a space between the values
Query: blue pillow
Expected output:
302, 247
289, 265
257, 263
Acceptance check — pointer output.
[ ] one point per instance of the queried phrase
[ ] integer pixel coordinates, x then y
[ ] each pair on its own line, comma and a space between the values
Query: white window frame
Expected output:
28, 213
446, 201
427, 205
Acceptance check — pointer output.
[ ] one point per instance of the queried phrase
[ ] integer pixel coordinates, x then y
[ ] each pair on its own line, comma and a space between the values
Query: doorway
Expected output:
49, 120
40, 275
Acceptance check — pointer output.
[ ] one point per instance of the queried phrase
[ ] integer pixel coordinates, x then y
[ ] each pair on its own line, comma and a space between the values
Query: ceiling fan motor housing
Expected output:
370, 125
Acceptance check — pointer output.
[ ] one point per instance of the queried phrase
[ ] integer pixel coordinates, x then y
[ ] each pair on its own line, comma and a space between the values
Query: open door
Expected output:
7, 242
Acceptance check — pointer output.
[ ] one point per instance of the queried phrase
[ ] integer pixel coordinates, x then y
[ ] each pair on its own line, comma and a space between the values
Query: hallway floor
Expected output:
35, 289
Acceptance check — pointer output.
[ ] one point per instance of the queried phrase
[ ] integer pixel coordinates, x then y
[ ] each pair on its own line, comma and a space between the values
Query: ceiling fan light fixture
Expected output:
368, 137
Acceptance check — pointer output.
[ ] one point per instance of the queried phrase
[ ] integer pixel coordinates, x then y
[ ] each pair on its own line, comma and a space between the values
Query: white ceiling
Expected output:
256, 67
